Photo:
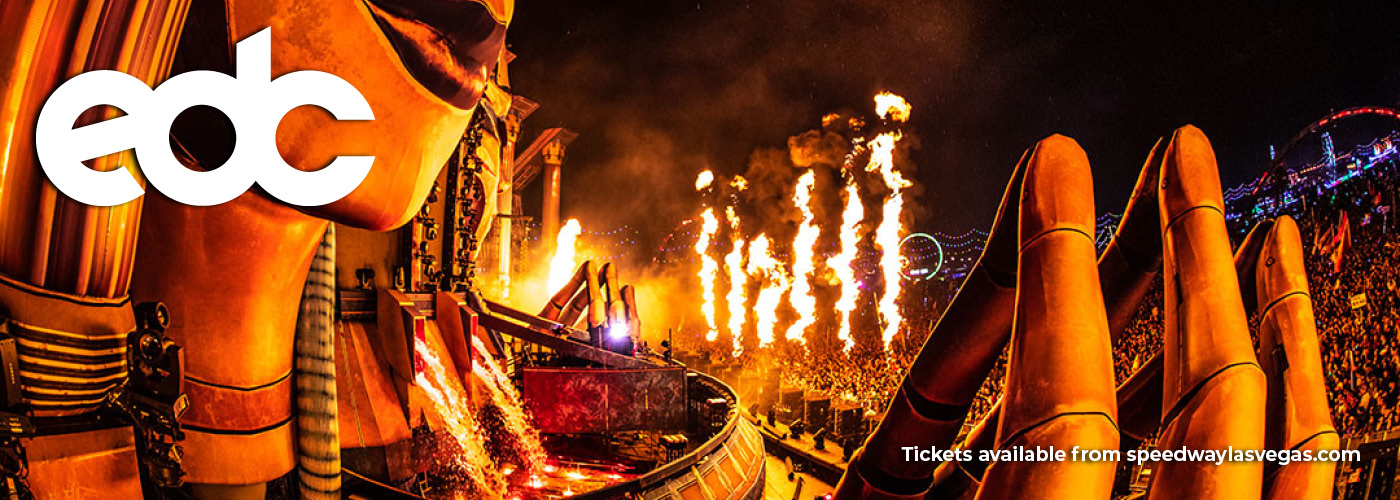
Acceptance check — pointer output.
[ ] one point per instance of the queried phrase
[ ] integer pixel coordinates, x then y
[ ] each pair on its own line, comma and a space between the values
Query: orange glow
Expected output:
504, 396
561, 267
737, 281
887, 235
709, 271
774, 279
803, 262
451, 404
842, 263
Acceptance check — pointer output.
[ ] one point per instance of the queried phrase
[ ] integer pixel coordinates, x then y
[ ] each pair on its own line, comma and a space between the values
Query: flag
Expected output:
1340, 243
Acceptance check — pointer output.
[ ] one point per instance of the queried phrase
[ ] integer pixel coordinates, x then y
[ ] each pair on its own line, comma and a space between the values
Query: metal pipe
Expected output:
561, 299
505, 199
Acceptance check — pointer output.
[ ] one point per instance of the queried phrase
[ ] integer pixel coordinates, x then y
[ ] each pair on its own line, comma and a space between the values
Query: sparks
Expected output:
501, 391
450, 403
804, 253
737, 281
561, 266
709, 270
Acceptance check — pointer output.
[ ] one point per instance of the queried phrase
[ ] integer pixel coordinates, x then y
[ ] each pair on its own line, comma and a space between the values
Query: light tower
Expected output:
1330, 154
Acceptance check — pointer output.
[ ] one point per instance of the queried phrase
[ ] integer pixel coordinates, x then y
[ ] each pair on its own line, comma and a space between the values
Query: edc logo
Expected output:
252, 101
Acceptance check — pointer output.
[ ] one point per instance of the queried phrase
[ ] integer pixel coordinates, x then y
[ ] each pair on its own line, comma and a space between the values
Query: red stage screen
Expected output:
587, 400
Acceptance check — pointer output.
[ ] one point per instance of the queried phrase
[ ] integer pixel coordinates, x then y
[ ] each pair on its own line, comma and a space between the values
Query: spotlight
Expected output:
618, 338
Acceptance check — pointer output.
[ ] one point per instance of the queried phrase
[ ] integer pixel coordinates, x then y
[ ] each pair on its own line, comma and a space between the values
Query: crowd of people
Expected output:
1358, 339
1354, 293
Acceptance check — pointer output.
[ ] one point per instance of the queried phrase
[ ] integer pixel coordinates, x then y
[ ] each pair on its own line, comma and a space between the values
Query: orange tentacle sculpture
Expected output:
1126, 269
1059, 382
1299, 417
1214, 391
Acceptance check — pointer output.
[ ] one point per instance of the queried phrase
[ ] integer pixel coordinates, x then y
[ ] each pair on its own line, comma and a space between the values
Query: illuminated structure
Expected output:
333, 350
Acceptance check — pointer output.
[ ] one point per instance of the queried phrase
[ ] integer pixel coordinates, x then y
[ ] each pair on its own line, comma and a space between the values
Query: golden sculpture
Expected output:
1213, 392
230, 274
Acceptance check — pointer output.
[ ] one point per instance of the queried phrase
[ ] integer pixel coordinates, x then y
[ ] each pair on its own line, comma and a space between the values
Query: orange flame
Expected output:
709, 270
561, 266
737, 281
843, 263
774, 278
804, 255
891, 106
887, 235
704, 180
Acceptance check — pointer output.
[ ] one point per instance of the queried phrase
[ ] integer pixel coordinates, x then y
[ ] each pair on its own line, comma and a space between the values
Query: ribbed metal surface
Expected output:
318, 438
64, 372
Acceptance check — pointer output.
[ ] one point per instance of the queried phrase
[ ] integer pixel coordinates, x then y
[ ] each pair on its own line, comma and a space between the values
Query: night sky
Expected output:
660, 90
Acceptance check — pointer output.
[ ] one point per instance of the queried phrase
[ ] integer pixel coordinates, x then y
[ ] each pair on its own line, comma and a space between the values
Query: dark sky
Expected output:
660, 89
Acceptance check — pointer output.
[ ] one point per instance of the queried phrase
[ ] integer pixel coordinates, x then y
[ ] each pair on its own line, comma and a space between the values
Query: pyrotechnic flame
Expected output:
804, 254
737, 281
774, 278
709, 270
561, 266
843, 263
739, 183
891, 106
704, 180
887, 235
